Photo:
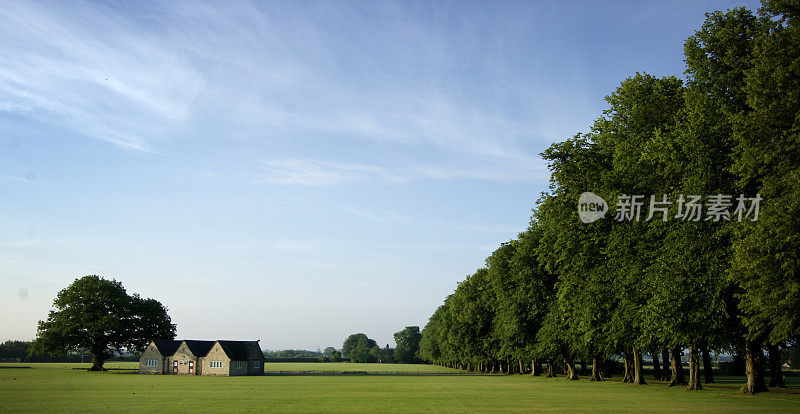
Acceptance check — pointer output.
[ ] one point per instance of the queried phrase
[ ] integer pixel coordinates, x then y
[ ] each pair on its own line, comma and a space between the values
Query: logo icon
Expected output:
591, 207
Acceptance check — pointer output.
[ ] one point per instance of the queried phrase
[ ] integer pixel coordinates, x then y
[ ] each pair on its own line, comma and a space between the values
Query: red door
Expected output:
174, 367
191, 367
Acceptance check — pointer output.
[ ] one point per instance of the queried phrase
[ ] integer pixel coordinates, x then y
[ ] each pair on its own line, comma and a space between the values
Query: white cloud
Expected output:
100, 75
137, 76
316, 172
312, 172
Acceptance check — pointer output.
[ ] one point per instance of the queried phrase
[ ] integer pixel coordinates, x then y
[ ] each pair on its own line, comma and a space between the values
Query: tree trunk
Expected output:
521, 368
534, 371
606, 370
657, 375
571, 373
775, 371
596, 369
694, 369
666, 374
754, 358
584, 371
628, 367
708, 368
98, 359
638, 377
550, 371
676, 367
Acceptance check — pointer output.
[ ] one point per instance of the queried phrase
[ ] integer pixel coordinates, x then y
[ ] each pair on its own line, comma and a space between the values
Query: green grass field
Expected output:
347, 366
58, 388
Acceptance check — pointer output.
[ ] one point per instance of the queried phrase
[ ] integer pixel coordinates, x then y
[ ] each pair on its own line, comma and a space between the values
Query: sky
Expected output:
294, 172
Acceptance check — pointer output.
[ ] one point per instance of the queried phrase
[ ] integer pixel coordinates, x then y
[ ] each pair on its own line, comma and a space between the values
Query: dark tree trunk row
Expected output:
551, 373
596, 369
708, 371
775, 370
666, 375
676, 367
638, 367
657, 375
570, 369
628, 358
694, 369
754, 366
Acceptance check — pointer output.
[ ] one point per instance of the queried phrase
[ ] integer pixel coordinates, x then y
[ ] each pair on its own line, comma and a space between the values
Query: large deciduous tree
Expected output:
407, 349
766, 253
97, 315
357, 347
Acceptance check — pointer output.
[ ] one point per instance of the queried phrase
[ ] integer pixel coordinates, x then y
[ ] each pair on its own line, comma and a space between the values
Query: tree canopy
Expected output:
97, 315
357, 348
688, 264
407, 348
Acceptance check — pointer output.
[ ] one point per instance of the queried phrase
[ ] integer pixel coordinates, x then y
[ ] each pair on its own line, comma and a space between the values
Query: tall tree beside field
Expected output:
642, 109
407, 349
574, 250
524, 294
97, 314
357, 347
766, 253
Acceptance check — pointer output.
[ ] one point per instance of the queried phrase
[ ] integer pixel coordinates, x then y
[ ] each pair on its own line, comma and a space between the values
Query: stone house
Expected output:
155, 358
190, 357
230, 358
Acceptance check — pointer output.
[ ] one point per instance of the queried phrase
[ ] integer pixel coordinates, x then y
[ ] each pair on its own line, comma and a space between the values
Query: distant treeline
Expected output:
296, 355
292, 353
297, 359
11, 350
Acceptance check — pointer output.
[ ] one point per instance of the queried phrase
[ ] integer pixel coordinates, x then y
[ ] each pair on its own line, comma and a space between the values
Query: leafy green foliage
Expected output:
357, 348
567, 289
407, 349
97, 315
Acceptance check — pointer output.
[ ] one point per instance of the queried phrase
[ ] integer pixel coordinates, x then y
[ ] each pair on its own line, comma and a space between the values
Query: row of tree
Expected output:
19, 351
566, 290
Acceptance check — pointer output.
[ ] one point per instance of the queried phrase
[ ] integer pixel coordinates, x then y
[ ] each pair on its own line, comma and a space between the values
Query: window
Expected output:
256, 365
238, 364
215, 364
151, 362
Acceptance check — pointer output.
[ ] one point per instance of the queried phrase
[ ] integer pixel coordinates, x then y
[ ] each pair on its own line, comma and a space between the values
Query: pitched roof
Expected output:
236, 350
242, 350
199, 348
166, 347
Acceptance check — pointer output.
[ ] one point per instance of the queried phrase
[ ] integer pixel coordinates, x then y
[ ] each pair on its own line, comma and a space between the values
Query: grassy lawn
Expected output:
52, 388
348, 366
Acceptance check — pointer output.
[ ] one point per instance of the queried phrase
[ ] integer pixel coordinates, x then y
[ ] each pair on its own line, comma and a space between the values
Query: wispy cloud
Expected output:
102, 75
137, 76
18, 179
311, 172
389, 217
316, 172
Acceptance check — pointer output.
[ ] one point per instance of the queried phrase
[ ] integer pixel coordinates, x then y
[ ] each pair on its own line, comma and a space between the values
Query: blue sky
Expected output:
293, 172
